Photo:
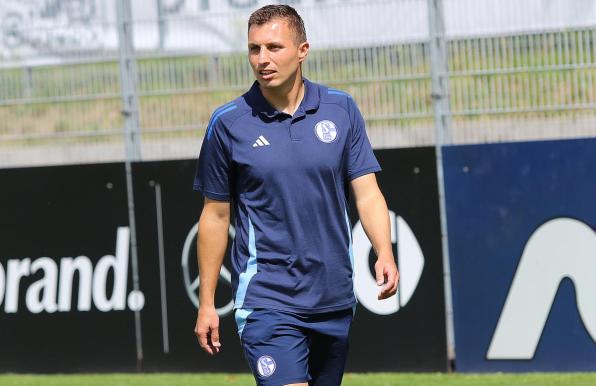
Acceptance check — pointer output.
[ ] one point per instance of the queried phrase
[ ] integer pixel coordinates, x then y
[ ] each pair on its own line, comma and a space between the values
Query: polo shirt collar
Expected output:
310, 101
311, 96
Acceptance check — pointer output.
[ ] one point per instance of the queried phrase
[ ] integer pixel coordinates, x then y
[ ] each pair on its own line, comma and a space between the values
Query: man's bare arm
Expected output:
212, 241
374, 216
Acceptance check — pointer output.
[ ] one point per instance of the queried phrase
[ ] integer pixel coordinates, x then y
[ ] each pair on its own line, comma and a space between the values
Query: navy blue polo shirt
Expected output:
288, 180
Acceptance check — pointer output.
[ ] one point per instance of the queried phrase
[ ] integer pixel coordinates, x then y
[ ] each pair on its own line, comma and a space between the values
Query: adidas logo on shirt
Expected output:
261, 141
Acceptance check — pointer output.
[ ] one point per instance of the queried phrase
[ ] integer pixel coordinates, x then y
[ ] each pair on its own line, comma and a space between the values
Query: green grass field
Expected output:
377, 379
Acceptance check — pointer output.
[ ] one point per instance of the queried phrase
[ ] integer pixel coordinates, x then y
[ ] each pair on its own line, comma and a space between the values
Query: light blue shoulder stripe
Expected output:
251, 267
241, 315
333, 91
217, 110
222, 107
218, 113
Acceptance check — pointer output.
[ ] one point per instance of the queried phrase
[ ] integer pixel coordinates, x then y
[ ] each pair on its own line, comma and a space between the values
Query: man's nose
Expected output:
263, 56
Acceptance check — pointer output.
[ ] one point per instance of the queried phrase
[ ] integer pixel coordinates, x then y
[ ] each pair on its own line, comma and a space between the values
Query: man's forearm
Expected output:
374, 217
211, 247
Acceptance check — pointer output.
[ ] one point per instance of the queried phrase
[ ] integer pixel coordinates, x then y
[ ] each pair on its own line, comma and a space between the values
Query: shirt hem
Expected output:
306, 310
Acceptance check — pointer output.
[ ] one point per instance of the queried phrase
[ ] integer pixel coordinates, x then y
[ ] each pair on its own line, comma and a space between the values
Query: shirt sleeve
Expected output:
361, 158
212, 176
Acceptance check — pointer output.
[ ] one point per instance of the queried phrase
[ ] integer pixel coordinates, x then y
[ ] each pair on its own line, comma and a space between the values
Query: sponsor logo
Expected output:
265, 366
53, 291
326, 131
410, 262
190, 273
560, 248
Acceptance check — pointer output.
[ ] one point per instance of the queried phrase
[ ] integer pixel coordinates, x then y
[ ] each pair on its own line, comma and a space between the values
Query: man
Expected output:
283, 155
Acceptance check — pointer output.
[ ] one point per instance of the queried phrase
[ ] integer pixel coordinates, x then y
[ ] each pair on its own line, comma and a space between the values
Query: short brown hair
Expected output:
267, 13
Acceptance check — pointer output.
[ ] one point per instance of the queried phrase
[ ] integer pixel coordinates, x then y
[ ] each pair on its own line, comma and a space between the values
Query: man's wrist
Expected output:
209, 302
206, 308
385, 255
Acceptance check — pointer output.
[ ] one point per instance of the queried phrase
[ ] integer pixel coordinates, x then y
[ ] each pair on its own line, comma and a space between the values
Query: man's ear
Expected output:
303, 51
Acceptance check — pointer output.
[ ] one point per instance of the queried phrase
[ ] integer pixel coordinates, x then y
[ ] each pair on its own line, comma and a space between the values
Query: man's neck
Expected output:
286, 98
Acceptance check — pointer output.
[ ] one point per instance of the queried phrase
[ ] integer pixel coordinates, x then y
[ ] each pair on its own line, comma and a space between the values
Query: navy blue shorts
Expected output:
284, 348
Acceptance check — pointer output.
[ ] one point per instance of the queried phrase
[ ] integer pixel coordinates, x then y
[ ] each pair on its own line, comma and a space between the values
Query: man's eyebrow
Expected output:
269, 43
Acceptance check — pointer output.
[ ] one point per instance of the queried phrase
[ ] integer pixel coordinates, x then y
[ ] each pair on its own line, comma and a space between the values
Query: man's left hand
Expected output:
387, 274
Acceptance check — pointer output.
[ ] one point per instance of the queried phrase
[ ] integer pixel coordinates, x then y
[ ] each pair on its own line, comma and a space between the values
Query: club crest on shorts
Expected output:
265, 366
326, 131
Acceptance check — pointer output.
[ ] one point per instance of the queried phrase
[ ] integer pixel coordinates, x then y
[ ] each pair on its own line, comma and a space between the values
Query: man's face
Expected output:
273, 54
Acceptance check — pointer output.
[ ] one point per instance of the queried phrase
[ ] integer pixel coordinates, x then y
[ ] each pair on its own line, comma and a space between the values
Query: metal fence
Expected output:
75, 73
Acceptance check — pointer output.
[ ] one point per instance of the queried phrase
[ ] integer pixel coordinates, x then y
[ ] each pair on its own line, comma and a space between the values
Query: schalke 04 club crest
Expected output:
326, 131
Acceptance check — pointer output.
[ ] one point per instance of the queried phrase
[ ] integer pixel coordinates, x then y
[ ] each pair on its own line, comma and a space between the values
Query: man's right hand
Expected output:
207, 330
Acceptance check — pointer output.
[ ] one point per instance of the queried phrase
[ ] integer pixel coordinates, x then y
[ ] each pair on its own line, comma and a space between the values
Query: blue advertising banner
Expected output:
522, 246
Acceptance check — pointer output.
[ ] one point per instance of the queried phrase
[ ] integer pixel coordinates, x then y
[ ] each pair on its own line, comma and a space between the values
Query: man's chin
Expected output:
268, 83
